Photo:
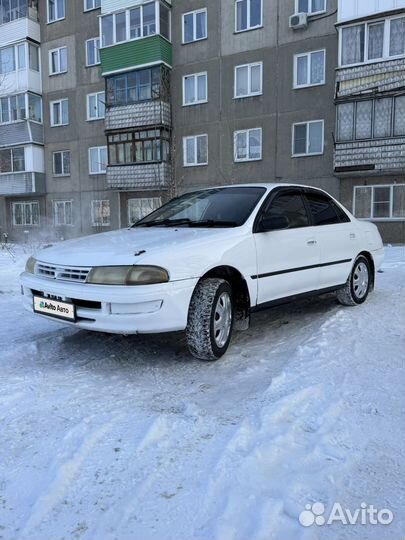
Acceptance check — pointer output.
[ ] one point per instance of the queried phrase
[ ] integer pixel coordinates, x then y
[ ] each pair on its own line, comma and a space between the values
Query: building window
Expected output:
26, 213
248, 80
60, 112
95, 106
91, 4
93, 52
58, 61
100, 213
7, 60
308, 138
194, 25
97, 160
309, 69
248, 145
140, 208
62, 211
371, 119
35, 108
12, 109
56, 10
165, 21
137, 86
312, 7
136, 23
33, 57
195, 150
137, 147
371, 42
195, 89
248, 14
61, 163
12, 160
383, 202
16, 9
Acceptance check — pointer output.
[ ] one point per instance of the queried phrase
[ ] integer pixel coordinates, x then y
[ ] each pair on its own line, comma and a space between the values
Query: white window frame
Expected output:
297, 86
57, 18
372, 187
51, 104
99, 150
247, 133
308, 154
58, 51
157, 201
310, 13
89, 96
194, 14
94, 202
63, 173
85, 9
25, 203
386, 42
249, 66
195, 138
195, 76
248, 28
96, 48
128, 26
55, 213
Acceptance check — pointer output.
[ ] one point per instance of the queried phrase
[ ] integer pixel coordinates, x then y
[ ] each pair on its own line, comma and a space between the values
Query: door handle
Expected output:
311, 242
352, 236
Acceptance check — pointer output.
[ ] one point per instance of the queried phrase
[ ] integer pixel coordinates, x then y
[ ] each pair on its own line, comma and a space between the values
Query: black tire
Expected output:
200, 332
350, 295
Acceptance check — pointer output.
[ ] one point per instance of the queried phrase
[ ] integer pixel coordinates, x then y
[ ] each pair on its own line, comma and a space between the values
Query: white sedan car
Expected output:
204, 262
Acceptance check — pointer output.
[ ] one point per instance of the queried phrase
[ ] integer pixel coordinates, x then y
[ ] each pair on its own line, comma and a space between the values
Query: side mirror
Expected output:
274, 223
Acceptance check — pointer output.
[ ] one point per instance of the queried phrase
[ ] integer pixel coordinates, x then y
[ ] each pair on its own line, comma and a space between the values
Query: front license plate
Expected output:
54, 308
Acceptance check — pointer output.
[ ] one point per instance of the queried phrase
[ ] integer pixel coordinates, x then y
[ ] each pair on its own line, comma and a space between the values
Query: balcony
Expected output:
141, 52
25, 183
370, 157
143, 177
377, 77
19, 29
23, 132
147, 113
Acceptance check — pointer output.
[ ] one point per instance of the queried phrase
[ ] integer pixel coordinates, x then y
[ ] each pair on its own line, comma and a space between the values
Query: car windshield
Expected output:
219, 207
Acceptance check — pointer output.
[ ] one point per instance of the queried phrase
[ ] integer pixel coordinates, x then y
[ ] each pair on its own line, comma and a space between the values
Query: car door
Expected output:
336, 236
288, 259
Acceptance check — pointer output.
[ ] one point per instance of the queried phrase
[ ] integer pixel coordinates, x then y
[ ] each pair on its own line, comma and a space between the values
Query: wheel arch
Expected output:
367, 255
239, 286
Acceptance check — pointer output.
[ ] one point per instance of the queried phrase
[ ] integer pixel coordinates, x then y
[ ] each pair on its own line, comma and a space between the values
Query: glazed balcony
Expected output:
147, 113
23, 183
379, 156
141, 177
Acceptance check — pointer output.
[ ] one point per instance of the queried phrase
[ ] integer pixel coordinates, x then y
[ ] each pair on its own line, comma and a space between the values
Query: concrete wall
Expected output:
80, 134
275, 111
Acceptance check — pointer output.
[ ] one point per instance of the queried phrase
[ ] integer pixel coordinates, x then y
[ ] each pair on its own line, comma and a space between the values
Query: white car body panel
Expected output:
188, 254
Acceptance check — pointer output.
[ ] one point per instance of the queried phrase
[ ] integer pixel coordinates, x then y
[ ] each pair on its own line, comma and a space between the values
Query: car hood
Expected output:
168, 247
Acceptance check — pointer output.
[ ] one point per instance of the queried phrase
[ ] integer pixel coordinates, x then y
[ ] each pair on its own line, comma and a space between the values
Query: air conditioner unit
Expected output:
299, 20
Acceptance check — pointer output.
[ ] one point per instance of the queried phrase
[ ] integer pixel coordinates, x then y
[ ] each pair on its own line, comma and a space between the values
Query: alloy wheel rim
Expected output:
360, 280
222, 319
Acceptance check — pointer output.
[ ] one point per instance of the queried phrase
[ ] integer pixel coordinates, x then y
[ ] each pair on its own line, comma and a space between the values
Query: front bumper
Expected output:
144, 309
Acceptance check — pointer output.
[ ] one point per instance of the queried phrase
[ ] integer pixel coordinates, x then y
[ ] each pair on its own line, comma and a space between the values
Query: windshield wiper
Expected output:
165, 223
213, 223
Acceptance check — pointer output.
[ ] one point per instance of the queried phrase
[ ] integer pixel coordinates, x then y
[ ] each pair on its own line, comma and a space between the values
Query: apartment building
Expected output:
370, 102
143, 99
22, 178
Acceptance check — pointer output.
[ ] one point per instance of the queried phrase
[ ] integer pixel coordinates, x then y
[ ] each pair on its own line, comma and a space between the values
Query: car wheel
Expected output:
358, 285
210, 319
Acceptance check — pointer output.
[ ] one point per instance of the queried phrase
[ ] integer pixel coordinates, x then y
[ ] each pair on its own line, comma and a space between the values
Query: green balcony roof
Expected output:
137, 53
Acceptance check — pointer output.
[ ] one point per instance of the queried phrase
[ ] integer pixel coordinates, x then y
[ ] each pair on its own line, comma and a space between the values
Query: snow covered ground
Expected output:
128, 438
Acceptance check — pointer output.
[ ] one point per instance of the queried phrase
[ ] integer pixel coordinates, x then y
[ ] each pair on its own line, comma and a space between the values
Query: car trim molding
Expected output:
301, 268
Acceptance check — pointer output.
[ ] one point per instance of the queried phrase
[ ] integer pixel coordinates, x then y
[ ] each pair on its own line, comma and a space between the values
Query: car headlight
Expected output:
127, 275
30, 265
